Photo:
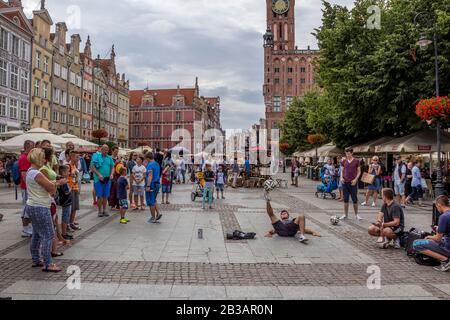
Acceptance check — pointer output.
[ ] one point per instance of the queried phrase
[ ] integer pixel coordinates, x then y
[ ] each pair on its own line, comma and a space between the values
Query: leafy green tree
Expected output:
372, 79
294, 129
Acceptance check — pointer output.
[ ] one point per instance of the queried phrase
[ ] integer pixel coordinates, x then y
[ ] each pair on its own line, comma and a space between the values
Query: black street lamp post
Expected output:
424, 42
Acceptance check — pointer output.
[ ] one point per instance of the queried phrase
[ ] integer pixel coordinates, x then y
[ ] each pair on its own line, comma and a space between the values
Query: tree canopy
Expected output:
371, 79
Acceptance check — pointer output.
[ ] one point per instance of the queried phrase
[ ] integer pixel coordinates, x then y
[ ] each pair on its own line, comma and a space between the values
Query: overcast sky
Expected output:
169, 42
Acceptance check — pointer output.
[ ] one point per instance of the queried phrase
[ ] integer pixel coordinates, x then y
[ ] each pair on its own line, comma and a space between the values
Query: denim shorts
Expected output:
399, 189
166, 188
65, 218
150, 197
139, 191
350, 190
220, 186
424, 245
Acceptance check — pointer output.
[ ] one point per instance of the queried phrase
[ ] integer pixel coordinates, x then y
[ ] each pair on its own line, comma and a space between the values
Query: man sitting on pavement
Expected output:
286, 227
390, 222
438, 246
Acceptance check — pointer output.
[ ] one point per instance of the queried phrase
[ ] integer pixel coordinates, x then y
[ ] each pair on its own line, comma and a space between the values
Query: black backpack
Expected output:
427, 261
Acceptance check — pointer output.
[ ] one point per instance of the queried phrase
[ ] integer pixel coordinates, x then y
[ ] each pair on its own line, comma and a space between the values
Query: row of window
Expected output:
13, 108
157, 116
156, 131
14, 77
17, 47
290, 81
64, 118
277, 103
62, 72
60, 97
41, 64
288, 69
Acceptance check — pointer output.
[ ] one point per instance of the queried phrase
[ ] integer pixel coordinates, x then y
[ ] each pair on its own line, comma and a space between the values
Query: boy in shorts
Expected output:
122, 194
138, 182
220, 181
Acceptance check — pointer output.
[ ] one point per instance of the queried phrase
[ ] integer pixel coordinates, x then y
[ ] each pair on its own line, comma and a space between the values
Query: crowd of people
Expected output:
50, 186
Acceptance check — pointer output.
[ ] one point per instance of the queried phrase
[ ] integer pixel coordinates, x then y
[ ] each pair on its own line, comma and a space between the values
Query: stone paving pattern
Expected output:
141, 261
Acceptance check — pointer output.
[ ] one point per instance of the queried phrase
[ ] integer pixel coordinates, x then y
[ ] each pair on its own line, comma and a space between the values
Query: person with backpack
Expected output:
438, 246
399, 178
20, 170
8, 170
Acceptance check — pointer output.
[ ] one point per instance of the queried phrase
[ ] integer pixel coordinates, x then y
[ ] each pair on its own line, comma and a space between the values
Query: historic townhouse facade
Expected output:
60, 77
73, 125
160, 117
42, 66
123, 110
100, 96
108, 67
16, 37
88, 91
288, 71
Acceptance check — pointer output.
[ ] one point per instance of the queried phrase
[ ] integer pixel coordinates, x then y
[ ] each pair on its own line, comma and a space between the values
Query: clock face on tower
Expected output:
280, 6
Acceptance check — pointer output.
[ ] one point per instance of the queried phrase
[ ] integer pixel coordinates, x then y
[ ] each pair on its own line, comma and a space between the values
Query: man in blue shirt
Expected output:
416, 185
152, 187
247, 168
438, 246
102, 166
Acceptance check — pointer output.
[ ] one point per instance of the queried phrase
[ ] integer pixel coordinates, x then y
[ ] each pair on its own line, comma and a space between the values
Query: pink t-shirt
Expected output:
24, 165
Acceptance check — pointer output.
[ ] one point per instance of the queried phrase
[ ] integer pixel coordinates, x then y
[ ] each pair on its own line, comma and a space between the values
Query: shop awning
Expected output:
328, 150
369, 147
420, 142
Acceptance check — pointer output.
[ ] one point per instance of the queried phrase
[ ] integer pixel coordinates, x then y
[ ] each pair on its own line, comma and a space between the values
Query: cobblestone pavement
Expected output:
141, 261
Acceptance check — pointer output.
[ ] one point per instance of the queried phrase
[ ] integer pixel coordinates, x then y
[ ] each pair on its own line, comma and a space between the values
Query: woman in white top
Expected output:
38, 205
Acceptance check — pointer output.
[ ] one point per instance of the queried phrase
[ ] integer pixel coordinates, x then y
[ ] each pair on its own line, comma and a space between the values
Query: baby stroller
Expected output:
329, 184
197, 190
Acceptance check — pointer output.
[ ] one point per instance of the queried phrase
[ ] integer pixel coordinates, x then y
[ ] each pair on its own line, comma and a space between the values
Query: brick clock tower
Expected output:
288, 71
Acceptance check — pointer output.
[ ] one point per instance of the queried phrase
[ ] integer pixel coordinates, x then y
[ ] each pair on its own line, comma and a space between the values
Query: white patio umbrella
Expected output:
16, 144
80, 144
10, 134
142, 149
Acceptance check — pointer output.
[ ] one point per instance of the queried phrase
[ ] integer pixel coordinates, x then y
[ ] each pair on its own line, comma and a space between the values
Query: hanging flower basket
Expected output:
315, 139
436, 108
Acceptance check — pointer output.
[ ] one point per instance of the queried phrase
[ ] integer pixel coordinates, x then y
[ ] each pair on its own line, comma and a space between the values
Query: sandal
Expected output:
52, 268
57, 254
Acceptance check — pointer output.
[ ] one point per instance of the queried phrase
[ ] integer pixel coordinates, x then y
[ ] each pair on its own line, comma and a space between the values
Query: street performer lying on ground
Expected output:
286, 227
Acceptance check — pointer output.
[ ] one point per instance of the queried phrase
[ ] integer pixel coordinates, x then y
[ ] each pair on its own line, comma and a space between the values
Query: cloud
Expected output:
165, 43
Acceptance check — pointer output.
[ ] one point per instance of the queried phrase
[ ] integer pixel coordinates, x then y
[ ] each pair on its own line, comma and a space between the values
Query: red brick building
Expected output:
288, 71
155, 114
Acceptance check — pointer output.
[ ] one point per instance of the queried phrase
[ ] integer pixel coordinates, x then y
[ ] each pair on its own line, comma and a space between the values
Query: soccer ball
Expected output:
335, 220
269, 185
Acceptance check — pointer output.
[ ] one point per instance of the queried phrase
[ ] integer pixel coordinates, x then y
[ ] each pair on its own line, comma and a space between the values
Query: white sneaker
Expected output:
29, 229
344, 217
397, 244
363, 204
374, 205
26, 234
358, 217
301, 238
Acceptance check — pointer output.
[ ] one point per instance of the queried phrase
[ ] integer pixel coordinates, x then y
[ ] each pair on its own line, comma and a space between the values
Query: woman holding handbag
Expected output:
375, 186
